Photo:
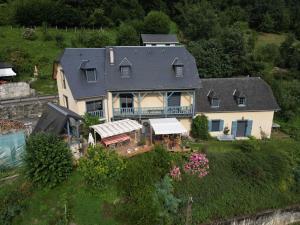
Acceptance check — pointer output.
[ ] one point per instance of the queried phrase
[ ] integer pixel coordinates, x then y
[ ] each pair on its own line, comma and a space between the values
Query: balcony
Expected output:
98, 113
153, 111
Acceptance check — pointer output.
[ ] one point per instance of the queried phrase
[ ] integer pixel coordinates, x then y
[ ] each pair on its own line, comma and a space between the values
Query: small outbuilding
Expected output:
6, 72
159, 39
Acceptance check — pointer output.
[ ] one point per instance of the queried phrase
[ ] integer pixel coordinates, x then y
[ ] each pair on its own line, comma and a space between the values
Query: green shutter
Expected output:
209, 125
234, 128
221, 127
249, 127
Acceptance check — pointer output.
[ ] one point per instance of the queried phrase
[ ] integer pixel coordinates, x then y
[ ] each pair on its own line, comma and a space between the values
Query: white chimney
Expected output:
111, 56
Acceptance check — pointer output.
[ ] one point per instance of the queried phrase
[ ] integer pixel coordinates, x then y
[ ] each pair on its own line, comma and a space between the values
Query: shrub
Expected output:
29, 34
127, 35
100, 166
48, 160
97, 40
197, 165
59, 39
13, 203
157, 23
47, 37
248, 146
200, 127
89, 120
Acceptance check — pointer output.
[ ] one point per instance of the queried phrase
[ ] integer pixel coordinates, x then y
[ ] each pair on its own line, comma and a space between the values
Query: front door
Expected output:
174, 99
241, 128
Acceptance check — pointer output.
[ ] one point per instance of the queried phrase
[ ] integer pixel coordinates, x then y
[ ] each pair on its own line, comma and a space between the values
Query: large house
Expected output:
144, 82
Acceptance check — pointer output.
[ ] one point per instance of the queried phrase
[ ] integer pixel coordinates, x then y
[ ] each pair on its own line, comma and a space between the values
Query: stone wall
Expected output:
15, 90
27, 108
285, 216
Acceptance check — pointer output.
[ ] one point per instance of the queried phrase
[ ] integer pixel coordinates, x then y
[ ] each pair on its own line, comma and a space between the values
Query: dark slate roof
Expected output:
72, 60
259, 96
4, 65
54, 118
151, 69
159, 38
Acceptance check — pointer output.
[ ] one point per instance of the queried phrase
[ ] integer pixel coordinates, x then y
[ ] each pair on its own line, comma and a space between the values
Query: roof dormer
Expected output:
214, 99
125, 68
178, 67
89, 71
239, 97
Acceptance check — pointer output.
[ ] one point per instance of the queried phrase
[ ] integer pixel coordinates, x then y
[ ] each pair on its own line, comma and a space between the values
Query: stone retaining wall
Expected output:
285, 216
15, 90
25, 109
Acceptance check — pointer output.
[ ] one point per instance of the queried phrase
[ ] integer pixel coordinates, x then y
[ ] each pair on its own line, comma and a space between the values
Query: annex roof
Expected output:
117, 127
159, 39
7, 72
167, 126
54, 118
258, 94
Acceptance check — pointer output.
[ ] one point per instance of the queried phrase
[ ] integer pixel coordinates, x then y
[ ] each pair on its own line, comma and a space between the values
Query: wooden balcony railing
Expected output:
152, 111
98, 113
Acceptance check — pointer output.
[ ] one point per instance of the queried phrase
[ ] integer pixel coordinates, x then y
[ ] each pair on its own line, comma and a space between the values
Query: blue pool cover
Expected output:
12, 147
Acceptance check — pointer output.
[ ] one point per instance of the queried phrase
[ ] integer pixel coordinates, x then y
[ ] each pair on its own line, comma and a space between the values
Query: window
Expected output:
63, 79
126, 100
174, 99
66, 102
215, 125
215, 103
242, 101
125, 70
94, 106
179, 71
91, 75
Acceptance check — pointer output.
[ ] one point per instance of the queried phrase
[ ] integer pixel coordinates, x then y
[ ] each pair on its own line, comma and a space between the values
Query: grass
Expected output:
269, 38
84, 204
41, 53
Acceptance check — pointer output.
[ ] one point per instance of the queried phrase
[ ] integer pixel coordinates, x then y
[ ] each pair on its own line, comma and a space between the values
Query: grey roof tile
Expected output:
259, 96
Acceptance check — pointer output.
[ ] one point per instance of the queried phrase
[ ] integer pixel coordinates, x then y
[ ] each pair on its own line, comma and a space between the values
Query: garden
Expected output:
215, 181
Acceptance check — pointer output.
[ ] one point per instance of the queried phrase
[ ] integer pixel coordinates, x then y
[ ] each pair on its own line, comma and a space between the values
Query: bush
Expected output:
127, 36
200, 127
101, 166
29, 34
97, 40
248, 146
48, 160
59, 39
157, 23
13, 203
89, 120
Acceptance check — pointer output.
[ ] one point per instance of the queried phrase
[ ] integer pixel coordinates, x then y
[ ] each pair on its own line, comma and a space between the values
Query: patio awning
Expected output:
115, 139
167, 126
117, 127
7, 72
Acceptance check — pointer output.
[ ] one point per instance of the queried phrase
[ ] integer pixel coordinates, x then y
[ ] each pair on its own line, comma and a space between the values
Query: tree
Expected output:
267, 24
200, 127
98, 40
98, 19
48, 160
127, 35
157, 22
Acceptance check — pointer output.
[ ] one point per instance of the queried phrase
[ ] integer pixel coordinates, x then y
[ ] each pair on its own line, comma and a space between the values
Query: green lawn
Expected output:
85, 205
269, 38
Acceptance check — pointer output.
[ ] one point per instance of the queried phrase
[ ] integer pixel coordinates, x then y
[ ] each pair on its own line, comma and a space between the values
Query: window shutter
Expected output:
234, 128
209, 125
249, 127
221, 125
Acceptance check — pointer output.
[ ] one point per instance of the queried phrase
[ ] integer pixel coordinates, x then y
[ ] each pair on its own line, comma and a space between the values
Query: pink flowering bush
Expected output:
175, 173
197, 165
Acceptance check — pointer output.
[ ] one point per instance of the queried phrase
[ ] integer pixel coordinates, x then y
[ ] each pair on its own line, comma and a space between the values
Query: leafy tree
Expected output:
268, 53
48, 160
99, 19
89, 120
267, 24
157, 22
97, 40
127, 35
200, 127
101, 166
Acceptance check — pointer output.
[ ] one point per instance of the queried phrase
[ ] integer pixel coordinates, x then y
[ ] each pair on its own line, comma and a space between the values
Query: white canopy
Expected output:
7, 72
167, 126
117, 127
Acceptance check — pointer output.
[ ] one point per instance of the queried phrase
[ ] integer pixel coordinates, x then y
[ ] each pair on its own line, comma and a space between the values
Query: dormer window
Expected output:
91, 75
178, 67
242, 101
125, 68
240, 98
213, 99
215, 103
179, 71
